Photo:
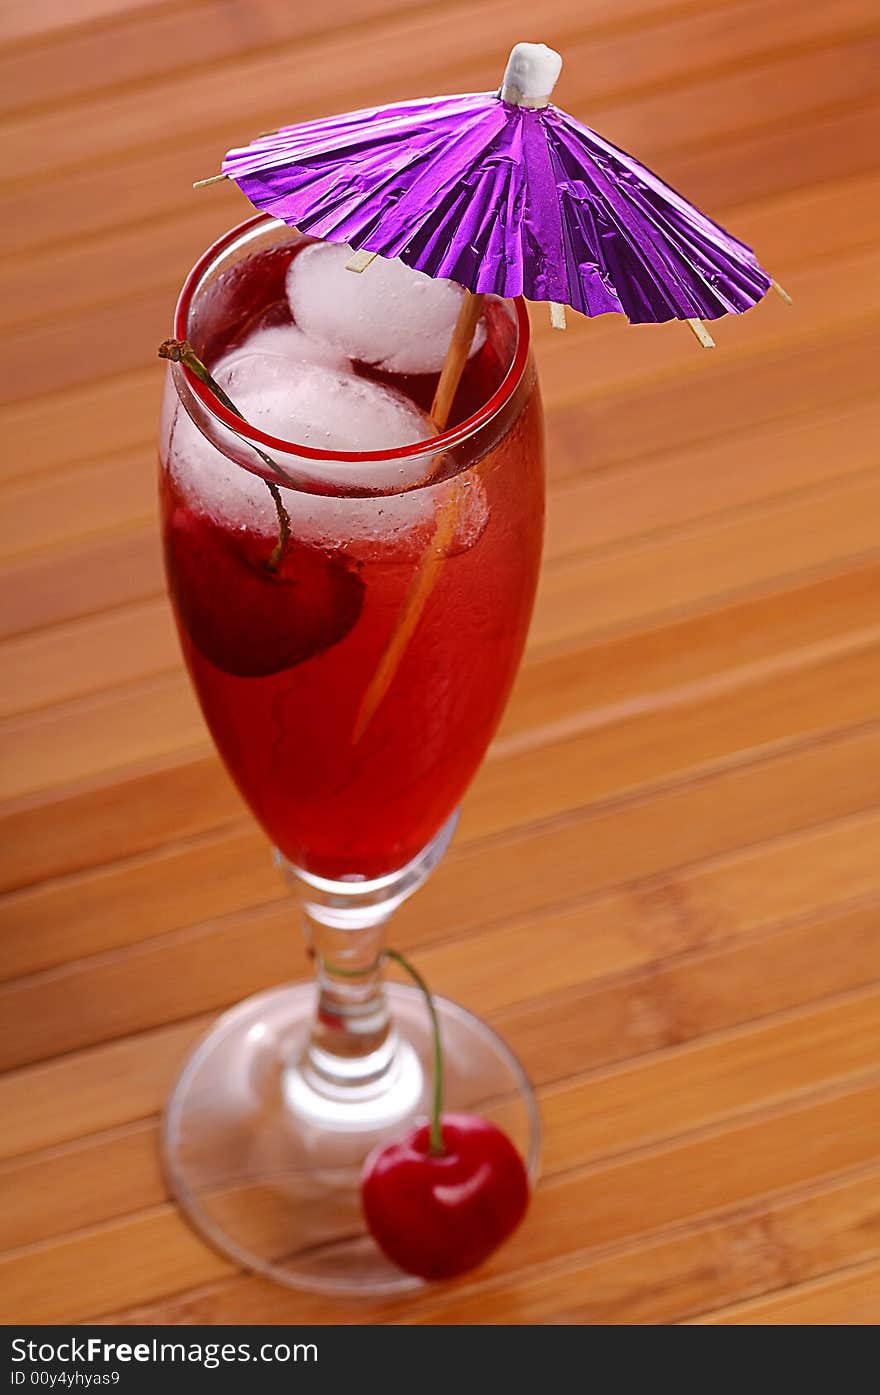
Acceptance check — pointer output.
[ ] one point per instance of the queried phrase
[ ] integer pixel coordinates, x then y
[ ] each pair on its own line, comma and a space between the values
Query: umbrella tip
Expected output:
531, 75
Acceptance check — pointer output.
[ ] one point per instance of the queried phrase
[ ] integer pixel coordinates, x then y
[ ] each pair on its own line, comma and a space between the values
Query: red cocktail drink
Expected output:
346, 779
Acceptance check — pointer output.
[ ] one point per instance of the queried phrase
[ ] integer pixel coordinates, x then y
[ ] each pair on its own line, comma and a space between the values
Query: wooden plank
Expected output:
58, 663
397, 59
47, 1194
605, 761
80, 1094
691, 912
143, 39
725, 558
49, 1284
59, 429
634, 672
132, 812
662, 1279
770, 223
36, 750
57, 833
127, 1155
691, 920
577, 598
597, 507
117, 414
58, 279
677, 488
54, 508
712, 1079
848, 1299
197, 880
650, 418
88, 656
627, 354
156, 42
675, 1183
643, 751
671, 1000
668, 1279
40, 19
823, 145
828, 145
686, 1179
210, 965
636, 839
153, 44
127, 1159
198, 962
83, 578
38, 362
74, 350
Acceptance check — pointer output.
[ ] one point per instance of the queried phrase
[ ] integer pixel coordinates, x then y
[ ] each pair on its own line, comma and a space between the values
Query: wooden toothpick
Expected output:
781, 292
701, 333
214, 179
557, 315
420, 588
456, 358
448, 512
361, 260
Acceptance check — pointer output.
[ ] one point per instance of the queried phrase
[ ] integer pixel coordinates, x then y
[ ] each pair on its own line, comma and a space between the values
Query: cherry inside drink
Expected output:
352, 674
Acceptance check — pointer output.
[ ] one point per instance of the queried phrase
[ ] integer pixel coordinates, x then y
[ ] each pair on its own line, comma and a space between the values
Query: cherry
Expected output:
250, 621
439, 1214
249, 608
441, 1199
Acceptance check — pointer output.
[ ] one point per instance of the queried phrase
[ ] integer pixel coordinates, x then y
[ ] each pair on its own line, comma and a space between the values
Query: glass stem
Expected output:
354, 1053
352, 1042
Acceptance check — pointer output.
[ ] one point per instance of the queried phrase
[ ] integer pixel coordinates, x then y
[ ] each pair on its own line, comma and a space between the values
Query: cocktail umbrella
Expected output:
505, 193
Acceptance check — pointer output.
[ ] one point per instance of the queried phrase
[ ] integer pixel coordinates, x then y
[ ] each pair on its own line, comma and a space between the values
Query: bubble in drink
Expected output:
396, 319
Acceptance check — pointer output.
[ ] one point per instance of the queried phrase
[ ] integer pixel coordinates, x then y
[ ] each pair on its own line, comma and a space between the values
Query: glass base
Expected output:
267, 1168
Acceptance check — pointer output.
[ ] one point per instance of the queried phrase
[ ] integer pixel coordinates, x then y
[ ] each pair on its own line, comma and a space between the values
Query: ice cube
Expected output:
390, 316
288, 342
215, 485
321, 407
304, 403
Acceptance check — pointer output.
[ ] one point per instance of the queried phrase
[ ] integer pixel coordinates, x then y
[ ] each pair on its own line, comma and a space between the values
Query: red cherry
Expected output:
247, 620
438, 1215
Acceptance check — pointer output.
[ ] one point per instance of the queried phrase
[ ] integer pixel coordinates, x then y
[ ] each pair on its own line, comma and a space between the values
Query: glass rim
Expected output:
433, 445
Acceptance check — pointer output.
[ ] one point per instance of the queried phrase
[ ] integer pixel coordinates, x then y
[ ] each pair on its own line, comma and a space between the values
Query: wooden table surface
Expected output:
666, 882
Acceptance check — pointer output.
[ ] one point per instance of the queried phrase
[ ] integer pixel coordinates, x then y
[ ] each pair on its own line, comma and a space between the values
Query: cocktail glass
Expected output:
352, 688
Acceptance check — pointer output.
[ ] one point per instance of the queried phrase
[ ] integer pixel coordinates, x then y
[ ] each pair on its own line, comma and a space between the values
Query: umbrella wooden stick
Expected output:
446, 520
701, 333
424, 579
361, 260
456, 358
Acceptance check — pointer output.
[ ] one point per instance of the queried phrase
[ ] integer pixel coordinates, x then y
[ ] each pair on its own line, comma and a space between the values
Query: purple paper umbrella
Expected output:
503, 192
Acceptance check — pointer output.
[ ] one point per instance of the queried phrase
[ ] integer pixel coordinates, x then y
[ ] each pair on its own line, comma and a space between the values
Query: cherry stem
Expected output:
181, 351
436, 1136
273, 561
